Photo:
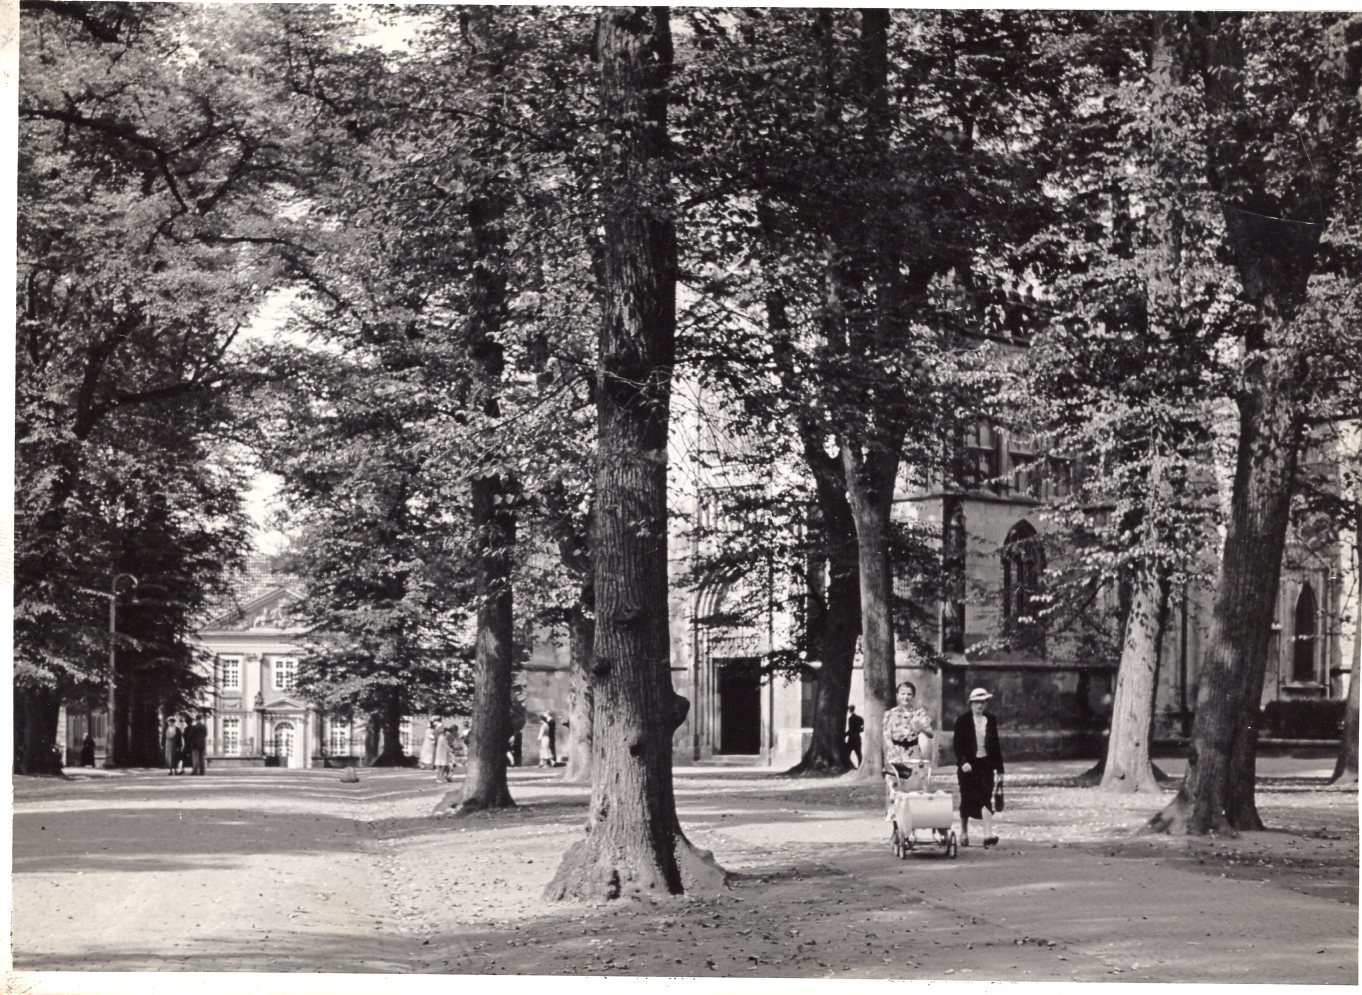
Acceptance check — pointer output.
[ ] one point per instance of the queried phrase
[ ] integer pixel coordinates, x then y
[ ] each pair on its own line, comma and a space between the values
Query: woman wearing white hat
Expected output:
979, 758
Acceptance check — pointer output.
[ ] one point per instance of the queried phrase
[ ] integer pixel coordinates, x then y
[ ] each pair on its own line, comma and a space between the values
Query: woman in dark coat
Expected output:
979, 759
87, 751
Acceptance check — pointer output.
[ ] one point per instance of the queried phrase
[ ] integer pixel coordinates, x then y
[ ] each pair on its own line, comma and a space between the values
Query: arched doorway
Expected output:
1303, 637
731, 711
283, 743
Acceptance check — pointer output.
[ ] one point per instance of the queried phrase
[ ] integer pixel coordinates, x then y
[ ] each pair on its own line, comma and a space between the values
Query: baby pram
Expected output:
917, 809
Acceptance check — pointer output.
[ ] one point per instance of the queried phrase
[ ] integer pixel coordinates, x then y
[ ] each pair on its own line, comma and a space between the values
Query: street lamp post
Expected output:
111, 735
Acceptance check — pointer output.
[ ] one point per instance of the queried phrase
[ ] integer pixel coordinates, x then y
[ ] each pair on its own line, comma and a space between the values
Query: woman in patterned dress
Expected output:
907, 737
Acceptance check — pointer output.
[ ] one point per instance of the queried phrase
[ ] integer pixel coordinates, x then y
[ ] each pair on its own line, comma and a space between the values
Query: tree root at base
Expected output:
818, 768
454, 805
1176, 819
595, 873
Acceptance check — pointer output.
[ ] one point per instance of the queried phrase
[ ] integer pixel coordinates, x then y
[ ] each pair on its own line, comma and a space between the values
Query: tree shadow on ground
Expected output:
1296, 783
129, 839
1278, 858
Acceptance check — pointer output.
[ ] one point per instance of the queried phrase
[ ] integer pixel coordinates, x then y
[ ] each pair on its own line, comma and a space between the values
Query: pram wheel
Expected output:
952, 846
903, 843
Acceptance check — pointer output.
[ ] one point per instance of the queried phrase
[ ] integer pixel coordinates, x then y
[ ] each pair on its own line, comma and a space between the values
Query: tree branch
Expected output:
128, 399
77, 12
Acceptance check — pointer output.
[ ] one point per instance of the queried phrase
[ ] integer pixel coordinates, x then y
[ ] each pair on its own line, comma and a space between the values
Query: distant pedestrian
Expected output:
174, 748
548, 752
853, 737
427, 760
444, 748
980, 765
513, 749
197, 740
458, 745
87, 751
186, 760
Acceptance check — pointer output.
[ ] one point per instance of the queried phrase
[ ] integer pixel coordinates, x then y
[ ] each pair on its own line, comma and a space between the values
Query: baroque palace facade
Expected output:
250, 652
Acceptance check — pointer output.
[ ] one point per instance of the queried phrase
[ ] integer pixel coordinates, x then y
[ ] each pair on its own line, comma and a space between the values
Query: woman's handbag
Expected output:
998, 798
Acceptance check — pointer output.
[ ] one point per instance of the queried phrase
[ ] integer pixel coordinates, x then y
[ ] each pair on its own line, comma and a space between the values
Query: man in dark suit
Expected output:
855, 725
197, 744
979, 757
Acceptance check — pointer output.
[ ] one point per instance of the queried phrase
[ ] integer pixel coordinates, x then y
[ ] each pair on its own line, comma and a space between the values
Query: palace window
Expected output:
338, 738
231, 672
231, 735
404, 734
285, 671
1303, 638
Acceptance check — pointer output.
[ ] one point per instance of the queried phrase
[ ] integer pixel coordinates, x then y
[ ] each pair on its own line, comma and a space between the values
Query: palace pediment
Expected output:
283, 703
267, 612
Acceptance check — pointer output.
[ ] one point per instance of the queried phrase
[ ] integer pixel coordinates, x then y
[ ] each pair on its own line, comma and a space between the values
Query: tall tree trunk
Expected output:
36, 710
1345, 769
1275, 258
834, 626
484, 784
118, 739
1217, 790
493, 492
390, 719
574, 551
870, 487
859, 321
634, 844
1128, 767
581, 717
373, 737
837, 631
145, 733
873, 470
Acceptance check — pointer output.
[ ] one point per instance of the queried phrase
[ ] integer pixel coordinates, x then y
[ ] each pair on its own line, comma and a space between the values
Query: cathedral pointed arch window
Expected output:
1023, 567
1303, 637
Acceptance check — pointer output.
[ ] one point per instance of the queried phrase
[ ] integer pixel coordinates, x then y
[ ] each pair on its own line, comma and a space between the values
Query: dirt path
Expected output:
242, 872
294, 871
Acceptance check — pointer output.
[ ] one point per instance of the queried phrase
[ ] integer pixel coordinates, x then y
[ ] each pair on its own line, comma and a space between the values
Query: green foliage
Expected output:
444, 295
148, 159
1151, 332
842, 251
861, 264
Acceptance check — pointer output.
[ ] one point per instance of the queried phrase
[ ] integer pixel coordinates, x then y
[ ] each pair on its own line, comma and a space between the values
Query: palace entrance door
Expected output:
283, 744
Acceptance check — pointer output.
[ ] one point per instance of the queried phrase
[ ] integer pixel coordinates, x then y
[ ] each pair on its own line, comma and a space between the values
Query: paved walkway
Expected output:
293, 871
